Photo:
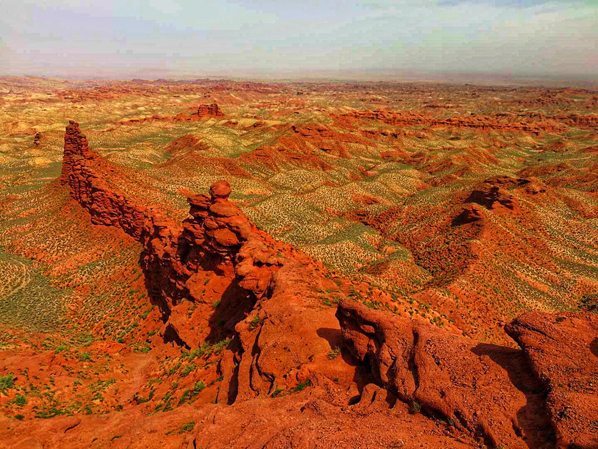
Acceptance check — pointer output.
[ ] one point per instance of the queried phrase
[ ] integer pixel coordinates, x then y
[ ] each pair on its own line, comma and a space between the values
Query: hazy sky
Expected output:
95, 37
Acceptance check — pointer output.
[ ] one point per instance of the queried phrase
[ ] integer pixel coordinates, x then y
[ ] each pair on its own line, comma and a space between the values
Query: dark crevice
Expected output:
411, 364
171, 336
533, 420
233, 386
255, 354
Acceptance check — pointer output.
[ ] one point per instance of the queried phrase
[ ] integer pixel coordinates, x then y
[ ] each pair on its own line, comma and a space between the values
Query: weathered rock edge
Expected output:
507, 397
273, 314
267, 289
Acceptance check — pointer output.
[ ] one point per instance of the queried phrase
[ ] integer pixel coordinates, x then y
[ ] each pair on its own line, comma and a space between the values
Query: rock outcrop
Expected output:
265, 290
480, 122
37, 139
209, 110
493, 197
496, 392
458, 379
75, 146
203, 111
563, 353
470, 213
215, 276
185, 143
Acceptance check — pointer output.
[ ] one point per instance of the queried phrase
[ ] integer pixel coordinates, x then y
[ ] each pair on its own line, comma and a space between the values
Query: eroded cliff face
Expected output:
209, 110
266, 290
562, 350
541, 395
281, 334
479, 122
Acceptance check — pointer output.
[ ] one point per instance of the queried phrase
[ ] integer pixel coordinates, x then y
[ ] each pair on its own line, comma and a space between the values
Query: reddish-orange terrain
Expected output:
358, 277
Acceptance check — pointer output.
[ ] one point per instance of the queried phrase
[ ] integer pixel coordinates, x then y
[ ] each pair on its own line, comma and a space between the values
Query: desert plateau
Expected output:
215, 263
299, 224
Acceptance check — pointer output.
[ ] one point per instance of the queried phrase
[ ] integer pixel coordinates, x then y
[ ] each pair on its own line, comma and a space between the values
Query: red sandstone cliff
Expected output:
266, 288
478, 122
203, 111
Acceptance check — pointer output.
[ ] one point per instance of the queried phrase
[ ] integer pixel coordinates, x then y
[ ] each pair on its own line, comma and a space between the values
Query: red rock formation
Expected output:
75, 145
321, 138
204, 110
563, 353
37, 139
494, 391
470, 213
578, 121
187, 142
377, 134
462, 380
304, 147
493, 197
309, 419
478, 122
209, 110
543, 170
217, 254
281, 332
275, 158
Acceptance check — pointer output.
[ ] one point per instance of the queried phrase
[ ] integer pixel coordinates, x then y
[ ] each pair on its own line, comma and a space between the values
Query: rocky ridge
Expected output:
270, 308
219, 250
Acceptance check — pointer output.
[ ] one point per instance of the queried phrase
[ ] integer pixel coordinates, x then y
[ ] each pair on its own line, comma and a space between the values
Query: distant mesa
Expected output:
37, 139
203, 111
483, 123
493, 198
209, 110
507, 181
493, 194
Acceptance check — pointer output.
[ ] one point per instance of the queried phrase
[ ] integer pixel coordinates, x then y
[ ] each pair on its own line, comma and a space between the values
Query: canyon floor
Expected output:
211, 264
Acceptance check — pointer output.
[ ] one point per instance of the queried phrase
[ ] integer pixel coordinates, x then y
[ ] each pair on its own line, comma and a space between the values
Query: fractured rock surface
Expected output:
563, 353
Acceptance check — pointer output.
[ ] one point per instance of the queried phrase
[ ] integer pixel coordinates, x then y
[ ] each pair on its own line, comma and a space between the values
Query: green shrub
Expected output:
188, 369
255, 321
277, 392
7, 382
84, 357
20, 400
187, 427
334, 353
301, 386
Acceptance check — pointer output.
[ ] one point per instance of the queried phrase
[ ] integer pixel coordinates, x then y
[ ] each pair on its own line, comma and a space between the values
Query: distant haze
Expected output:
287, 38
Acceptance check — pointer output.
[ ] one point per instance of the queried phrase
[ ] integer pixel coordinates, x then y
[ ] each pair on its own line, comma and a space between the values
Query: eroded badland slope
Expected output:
369, 265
